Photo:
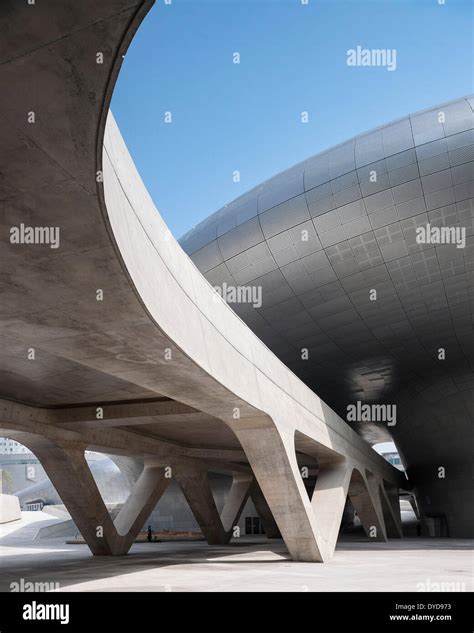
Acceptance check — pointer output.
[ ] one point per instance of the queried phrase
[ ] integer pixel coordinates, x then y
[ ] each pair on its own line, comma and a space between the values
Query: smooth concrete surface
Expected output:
25, 530
9, 508
171, 513
110, 481
248, 564
134, 353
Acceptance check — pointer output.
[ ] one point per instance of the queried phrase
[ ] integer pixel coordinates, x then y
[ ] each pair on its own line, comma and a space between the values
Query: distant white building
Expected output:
10, 447
394, 459
389, 451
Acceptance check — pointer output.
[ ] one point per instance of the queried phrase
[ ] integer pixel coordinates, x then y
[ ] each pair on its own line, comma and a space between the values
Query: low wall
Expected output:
9, 508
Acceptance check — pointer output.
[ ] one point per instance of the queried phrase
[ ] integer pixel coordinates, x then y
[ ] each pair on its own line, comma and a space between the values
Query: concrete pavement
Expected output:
248, 564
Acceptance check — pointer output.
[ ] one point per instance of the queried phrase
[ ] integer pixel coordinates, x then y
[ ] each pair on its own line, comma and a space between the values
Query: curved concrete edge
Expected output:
217, 365
229, 369
237, 367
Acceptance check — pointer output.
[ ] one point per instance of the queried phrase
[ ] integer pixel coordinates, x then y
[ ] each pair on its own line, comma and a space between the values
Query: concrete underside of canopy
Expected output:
115, 342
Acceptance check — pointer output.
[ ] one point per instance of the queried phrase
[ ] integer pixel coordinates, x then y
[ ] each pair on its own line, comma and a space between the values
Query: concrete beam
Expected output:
183, 343
122, 414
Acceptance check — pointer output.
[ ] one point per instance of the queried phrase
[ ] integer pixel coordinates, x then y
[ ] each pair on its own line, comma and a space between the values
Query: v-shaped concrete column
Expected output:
264, 512
143, 498
273, 461
70, 474
328, 501
391, 511
236, 500
309, 528
195, 485
414, 507
365, 497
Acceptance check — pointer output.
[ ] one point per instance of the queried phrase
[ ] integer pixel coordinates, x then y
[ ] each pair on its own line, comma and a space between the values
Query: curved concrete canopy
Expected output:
320, 237
117, 328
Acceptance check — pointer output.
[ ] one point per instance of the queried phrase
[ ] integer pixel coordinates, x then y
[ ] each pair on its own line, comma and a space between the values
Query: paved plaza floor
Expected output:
247, 564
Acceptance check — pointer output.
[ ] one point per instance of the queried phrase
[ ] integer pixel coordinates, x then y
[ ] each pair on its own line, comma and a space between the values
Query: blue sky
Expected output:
246, 116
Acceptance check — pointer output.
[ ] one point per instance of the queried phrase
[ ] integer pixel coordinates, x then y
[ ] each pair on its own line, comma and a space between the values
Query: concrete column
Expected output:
196, 488
414, 507
329, 500
143, 497
391, 510
73, 480
272, 458
236, 500
70, 474
264, 512
130, 467
365, 498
